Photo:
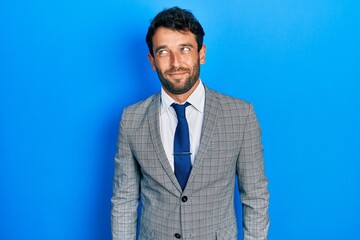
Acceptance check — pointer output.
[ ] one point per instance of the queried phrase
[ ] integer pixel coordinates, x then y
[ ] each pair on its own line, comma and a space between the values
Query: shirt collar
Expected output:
196, 99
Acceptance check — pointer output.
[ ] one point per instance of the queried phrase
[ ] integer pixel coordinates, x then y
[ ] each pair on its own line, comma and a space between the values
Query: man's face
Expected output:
176, 60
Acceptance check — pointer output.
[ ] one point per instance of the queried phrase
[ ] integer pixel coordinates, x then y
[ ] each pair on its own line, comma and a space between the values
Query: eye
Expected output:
185, 49
162, 52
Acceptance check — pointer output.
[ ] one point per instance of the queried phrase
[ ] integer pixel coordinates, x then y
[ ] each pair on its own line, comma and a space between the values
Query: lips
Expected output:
177, 73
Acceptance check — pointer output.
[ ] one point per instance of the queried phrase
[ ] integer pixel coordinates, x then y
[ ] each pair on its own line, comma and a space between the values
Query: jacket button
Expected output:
184, 199
178, 236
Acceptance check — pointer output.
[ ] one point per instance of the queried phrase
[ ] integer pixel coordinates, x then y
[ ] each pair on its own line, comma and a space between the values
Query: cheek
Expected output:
162, 65
193, 59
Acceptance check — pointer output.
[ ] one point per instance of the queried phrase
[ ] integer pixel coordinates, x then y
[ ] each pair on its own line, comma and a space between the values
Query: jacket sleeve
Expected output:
253, 185
125, 197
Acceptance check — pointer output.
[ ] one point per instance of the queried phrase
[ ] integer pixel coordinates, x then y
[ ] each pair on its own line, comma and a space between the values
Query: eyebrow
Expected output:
186, 45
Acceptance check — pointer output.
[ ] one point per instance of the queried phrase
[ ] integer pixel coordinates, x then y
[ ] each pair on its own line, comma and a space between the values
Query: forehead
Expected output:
169, 37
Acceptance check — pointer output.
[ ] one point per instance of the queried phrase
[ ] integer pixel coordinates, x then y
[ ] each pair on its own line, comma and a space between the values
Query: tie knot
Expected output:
180, 109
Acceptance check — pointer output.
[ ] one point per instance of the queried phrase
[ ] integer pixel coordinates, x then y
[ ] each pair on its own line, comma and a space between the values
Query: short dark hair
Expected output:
177, 19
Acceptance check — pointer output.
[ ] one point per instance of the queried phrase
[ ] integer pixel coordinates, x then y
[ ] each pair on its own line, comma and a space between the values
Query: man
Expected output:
179, 151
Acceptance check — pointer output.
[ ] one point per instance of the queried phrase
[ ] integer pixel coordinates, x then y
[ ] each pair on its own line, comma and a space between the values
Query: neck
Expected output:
180, 98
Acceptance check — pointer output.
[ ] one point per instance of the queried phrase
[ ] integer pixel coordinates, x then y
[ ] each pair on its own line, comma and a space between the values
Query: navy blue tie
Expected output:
182, 161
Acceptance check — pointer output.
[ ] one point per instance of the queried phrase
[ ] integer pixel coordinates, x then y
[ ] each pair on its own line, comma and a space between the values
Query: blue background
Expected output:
68, 68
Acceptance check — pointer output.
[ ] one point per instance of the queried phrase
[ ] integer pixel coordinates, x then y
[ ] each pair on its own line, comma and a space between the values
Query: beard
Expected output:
189, 82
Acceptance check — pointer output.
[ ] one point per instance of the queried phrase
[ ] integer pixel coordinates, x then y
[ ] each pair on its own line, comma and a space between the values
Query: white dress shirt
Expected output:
194, 116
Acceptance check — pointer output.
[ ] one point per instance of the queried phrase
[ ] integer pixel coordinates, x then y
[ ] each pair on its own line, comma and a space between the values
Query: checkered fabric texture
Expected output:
230, 145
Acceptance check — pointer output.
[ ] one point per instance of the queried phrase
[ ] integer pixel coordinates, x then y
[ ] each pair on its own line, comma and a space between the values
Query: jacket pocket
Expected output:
228, 233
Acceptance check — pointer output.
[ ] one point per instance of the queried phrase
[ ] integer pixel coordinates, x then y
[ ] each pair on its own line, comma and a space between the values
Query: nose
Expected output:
175, 59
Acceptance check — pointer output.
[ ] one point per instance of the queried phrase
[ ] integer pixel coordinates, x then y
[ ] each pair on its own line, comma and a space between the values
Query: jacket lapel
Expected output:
210, 116
154, 125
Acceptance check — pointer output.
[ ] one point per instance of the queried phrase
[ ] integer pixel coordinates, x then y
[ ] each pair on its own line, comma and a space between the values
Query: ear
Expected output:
202, 54
152, 61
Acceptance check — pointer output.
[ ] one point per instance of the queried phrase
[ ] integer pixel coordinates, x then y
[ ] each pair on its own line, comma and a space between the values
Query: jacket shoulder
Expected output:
135, 114
141, 107
230, 103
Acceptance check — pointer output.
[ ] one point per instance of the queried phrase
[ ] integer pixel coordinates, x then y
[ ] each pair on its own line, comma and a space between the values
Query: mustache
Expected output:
177, 69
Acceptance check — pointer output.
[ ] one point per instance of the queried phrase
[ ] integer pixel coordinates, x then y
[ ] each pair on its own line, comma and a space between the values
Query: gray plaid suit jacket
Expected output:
230, 144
